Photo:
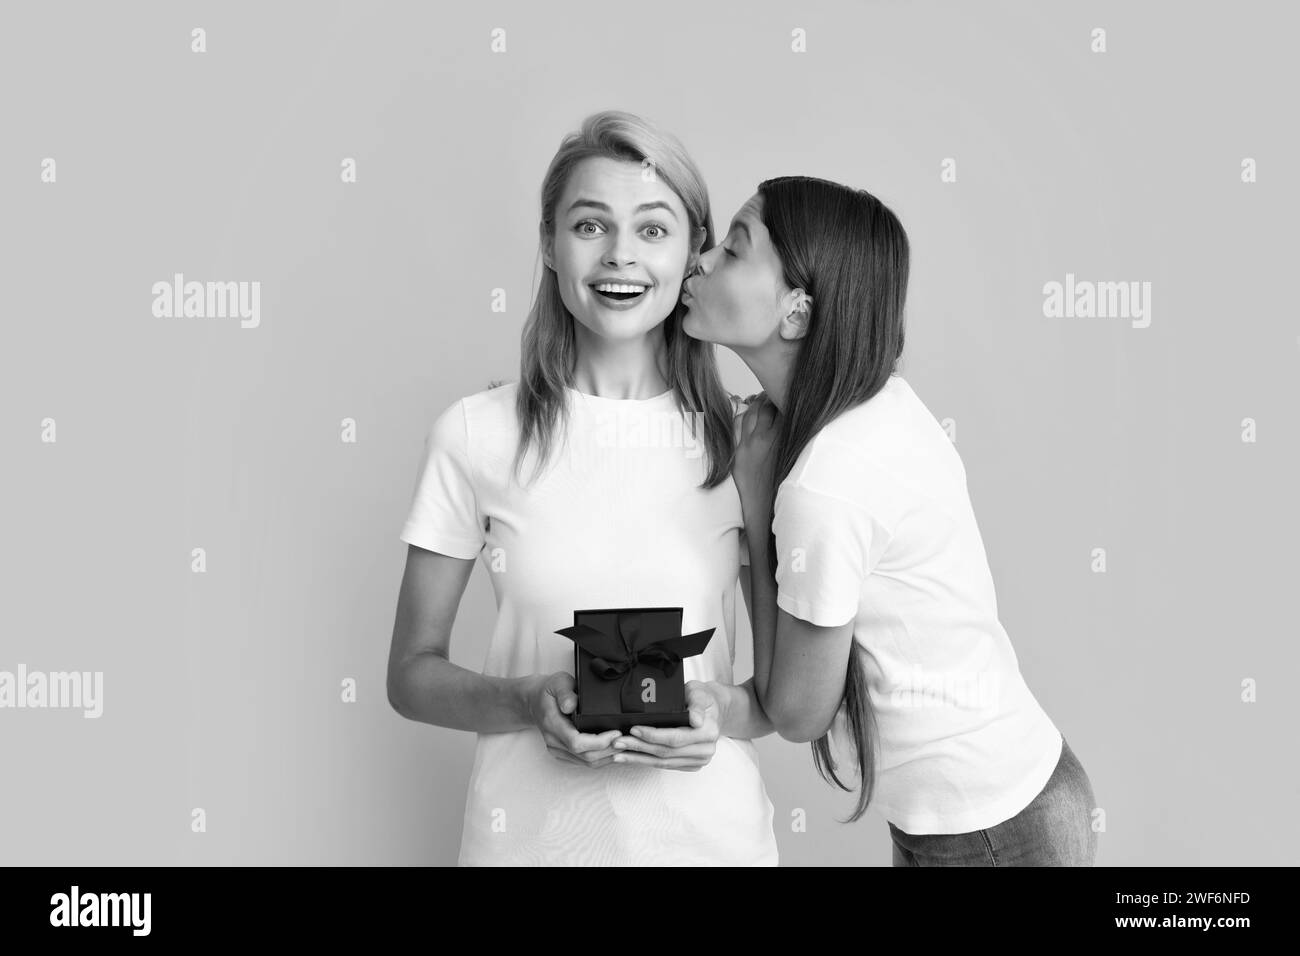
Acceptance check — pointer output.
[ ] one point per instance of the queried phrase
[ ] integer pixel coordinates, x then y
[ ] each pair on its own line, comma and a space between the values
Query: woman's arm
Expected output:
741, 716
424, 685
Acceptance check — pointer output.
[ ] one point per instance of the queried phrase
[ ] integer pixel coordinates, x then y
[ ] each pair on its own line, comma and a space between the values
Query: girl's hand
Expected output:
752, 470
677, 748
551, 699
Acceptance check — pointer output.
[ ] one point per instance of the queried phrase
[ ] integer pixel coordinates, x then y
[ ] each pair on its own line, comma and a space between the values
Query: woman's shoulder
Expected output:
492, 401
478, 423
490, 413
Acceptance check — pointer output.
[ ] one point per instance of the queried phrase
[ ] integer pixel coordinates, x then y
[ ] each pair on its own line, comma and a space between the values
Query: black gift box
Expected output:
627, 667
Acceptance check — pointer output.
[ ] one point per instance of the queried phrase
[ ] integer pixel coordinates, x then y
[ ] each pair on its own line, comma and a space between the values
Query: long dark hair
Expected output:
549, 346
849, 252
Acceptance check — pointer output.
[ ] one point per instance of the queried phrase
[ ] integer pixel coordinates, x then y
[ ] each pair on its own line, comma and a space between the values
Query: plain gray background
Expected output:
222, 689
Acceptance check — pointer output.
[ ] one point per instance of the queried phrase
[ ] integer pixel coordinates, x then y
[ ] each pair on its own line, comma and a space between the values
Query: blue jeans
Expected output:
1054, 830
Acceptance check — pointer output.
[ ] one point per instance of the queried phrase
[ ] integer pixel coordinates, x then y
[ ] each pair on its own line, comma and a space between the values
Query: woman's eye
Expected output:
660, 231
581, 228
729, 252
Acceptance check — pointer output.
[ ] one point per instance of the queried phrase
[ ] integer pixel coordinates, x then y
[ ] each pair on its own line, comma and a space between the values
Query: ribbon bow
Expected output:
611, 660
629, 628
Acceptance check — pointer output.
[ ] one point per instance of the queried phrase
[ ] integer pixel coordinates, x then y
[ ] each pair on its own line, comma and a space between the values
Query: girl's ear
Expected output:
799, 313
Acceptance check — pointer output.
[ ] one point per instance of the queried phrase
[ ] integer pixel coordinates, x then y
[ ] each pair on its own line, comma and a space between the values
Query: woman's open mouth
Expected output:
619, 291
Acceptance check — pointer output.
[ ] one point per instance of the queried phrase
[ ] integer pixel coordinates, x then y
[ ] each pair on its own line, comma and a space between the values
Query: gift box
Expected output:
627, 667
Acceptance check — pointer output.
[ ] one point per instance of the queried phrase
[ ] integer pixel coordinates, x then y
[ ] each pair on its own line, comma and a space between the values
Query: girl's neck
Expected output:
772, 365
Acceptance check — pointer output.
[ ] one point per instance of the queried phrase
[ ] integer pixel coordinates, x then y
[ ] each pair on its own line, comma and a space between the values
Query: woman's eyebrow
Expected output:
657, 204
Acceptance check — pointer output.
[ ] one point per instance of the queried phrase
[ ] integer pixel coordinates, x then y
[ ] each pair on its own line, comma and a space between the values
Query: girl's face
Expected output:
739, 297
621, 248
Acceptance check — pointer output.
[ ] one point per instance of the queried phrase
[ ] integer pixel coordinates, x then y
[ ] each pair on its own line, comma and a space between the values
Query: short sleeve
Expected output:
444, 514
826, 547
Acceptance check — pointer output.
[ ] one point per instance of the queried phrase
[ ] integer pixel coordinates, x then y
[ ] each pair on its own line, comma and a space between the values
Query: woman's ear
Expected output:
548, 246
697, 243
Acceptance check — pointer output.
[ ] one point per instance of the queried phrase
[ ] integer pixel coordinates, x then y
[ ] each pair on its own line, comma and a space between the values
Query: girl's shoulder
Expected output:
887, 415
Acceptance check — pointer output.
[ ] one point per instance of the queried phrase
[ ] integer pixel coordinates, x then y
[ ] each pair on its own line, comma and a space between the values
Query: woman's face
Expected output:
621, 246
739, 296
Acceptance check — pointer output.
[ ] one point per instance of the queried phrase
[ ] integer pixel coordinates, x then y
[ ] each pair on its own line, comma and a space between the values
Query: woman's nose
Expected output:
619, 252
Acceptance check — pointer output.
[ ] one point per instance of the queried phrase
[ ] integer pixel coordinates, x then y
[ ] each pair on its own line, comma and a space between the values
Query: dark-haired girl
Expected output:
874, 615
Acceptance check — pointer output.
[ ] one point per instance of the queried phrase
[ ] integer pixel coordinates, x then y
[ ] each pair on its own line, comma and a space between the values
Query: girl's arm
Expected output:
799, 668
760, 595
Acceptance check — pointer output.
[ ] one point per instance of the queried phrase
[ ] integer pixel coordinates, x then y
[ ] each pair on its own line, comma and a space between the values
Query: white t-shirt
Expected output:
618, 520
874, 525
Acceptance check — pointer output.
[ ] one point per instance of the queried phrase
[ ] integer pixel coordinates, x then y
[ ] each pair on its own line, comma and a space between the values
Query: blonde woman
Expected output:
553, 483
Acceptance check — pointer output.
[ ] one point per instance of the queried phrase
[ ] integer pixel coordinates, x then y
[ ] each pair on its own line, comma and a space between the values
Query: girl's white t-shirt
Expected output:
618, 520
874, 525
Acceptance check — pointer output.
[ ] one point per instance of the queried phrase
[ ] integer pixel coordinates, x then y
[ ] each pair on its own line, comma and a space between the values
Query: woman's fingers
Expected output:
669, 737
563, 755
649, 755
698, 749
671, 763
591, 758
701, 752
562, 738
579, 742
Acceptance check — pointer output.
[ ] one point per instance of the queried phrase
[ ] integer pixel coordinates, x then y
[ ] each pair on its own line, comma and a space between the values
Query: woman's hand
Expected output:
677, 748
551, 698
752, 470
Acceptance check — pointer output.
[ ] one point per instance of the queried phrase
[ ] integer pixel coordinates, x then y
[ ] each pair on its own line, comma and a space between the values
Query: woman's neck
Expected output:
621, 370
